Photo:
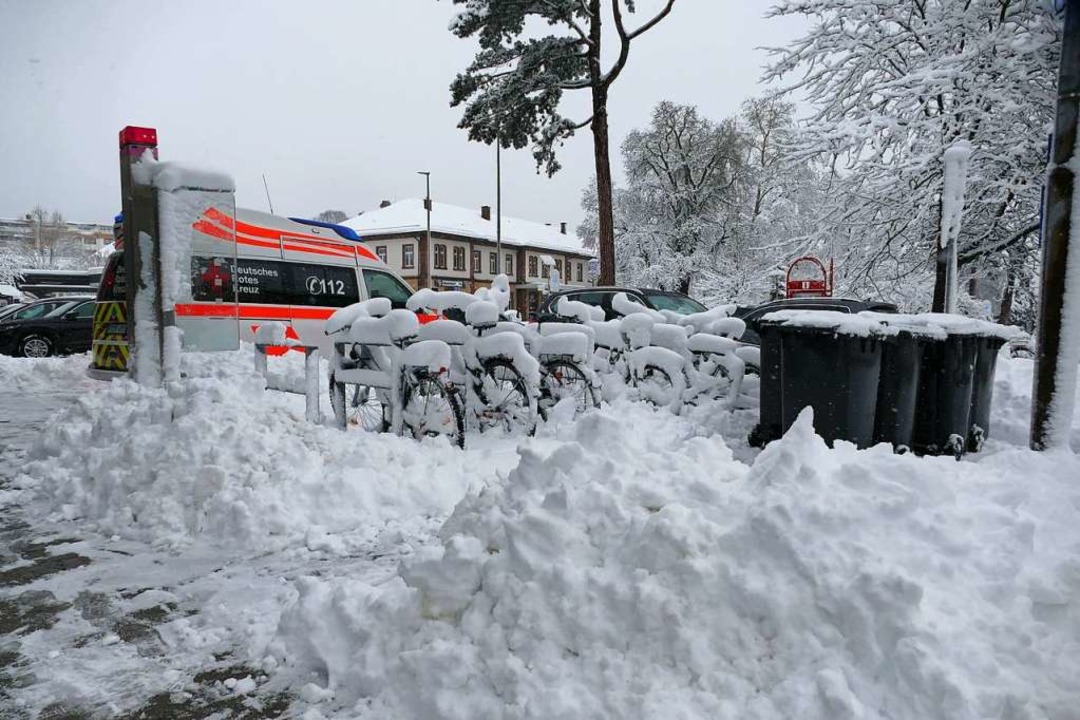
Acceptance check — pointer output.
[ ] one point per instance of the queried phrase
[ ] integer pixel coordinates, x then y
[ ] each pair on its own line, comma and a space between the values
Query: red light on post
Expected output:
132, 135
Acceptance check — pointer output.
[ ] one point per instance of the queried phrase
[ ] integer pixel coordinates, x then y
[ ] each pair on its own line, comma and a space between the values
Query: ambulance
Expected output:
247, 269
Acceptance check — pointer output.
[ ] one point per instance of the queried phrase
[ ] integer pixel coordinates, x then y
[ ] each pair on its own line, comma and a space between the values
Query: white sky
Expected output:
338, 102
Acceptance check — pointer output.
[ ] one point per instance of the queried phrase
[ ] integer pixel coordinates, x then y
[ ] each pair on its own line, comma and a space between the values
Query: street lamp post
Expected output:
427, 206
498, 205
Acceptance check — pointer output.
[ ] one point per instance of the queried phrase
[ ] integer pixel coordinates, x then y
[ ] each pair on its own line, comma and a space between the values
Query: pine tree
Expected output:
513, 88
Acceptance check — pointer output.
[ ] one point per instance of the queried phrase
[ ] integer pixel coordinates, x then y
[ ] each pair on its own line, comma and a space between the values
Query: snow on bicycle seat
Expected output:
577, 310
548, 330
673, 337
715, 344
701, 321
431, 354
450, 332
342, 319
482, 314
622, 304
440, 300
575, 346
636, 329
402, 325
731, 327
607, 333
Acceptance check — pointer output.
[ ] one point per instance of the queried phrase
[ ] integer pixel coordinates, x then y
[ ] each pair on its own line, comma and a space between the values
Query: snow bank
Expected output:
638, 572
40, 375
225, 461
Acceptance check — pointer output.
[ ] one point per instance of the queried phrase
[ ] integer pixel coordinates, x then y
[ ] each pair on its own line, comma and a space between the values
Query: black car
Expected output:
754, 313
34, 309
69, 328
9, 309
601, 297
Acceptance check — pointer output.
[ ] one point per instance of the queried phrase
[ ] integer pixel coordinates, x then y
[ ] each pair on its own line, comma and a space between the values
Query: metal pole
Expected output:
1059, 311
498, 205
955, 159
427, 206
269, 202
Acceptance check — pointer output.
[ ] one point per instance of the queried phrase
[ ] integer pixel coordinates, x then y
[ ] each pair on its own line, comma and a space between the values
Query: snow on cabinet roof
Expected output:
409, 216
170, 176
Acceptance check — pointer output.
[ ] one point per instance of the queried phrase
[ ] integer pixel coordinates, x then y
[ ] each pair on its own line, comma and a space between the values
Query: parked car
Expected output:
754, 313
601, 297
9, 309
35, 308
68, 328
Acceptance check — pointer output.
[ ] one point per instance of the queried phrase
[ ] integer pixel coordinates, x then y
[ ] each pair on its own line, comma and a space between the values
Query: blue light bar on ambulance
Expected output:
346, 232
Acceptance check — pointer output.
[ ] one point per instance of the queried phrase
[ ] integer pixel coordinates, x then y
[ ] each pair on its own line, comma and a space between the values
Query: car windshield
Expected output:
677, 303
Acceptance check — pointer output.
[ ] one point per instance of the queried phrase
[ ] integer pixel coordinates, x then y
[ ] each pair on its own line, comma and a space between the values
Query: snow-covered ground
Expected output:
631, 564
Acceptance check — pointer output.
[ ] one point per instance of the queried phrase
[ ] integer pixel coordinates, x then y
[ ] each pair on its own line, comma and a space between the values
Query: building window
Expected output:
532, 266
440, 256
558, 266
545, 270
579, 271
459, 258
408, 256
380, 250
493, 263
509, 265
476, 261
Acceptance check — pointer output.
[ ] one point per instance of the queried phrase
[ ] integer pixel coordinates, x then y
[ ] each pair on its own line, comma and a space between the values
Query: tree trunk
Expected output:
1005, 313
605, 211
599, 127
684, 285
942, 275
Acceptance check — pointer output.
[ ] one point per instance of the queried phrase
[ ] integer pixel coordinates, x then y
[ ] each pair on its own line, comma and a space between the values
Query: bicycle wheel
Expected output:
505, 398
358, 406
560, 380
655, 385
429, 408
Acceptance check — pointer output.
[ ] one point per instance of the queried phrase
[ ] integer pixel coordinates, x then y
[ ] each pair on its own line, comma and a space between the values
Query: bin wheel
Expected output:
955, 446
976, 438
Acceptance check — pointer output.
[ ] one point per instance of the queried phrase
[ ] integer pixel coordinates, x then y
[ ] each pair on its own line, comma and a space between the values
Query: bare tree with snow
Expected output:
332, 216
893, 83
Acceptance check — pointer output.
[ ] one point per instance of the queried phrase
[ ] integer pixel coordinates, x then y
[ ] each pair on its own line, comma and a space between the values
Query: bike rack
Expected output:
269, 340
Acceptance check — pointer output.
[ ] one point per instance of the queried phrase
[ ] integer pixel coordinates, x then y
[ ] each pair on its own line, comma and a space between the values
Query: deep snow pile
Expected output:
628, 566
43, 374
226, 460
636, 571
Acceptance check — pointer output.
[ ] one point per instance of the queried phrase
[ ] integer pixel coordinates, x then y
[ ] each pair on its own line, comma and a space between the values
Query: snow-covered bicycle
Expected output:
384, 377
498, 375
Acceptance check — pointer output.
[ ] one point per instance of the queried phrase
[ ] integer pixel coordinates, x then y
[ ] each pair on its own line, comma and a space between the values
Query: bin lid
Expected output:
940, 325
960, 325
920, 325
854, 324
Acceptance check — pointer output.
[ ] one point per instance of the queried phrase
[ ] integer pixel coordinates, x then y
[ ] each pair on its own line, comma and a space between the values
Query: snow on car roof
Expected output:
409, 216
